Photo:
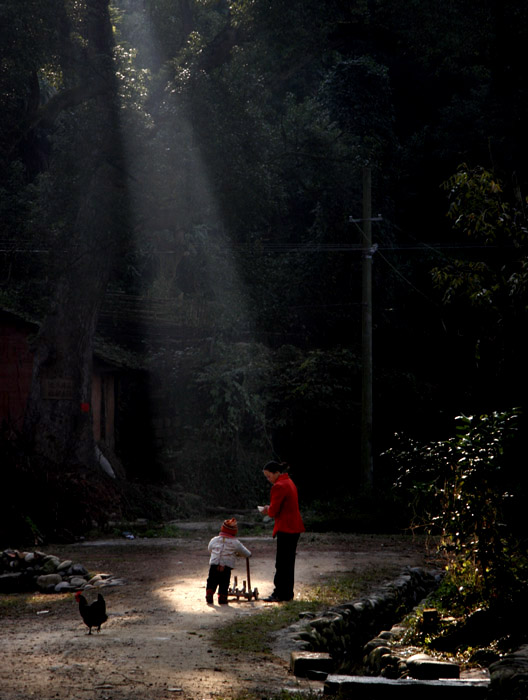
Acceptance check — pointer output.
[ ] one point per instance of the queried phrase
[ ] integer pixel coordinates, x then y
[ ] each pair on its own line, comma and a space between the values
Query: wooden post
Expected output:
367, 475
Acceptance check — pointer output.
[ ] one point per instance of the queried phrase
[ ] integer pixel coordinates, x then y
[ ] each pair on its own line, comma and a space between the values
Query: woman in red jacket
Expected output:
284, 508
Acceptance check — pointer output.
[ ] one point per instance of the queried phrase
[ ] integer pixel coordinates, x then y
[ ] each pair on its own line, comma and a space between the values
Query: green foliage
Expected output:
237, 403
216, 399
243, 127
476, 205
484, 285
234, 386
358, 94
312, 410
316, 377
466, 491
479, 210
349, 511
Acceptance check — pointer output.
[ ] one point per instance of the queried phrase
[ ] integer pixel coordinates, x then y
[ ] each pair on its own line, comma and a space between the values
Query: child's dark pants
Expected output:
219, 576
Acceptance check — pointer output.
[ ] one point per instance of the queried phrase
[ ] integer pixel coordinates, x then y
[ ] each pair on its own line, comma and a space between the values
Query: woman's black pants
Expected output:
285, 565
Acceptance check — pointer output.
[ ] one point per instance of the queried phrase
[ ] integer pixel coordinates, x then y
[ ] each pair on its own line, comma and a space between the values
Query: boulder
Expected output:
65, 565
374, 661
47, 582
77, 582
50, 564
64, 587
509, 676
425, 667
77, 570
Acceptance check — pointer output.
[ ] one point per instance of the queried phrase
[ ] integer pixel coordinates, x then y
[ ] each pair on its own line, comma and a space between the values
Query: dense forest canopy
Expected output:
207, 156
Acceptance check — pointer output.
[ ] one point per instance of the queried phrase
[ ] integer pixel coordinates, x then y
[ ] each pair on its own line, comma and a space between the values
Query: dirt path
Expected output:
157, 644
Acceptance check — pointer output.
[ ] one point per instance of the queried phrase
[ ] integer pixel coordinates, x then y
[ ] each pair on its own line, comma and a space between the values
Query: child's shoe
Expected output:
222, 600
209, 597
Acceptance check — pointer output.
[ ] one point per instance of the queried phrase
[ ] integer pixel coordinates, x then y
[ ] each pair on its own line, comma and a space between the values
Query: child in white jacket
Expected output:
223, 549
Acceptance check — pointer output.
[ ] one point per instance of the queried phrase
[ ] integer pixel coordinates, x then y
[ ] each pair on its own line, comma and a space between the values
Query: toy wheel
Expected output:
256, 593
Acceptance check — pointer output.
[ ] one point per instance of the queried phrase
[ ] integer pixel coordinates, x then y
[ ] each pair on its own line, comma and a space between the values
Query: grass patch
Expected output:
28, 604
349, 585
253, 634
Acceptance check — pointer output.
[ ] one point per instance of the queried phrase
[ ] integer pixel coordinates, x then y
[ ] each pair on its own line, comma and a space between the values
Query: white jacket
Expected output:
224, 550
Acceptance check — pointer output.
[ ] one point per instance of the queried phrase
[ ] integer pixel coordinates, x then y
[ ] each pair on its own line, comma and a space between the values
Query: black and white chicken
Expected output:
94, 614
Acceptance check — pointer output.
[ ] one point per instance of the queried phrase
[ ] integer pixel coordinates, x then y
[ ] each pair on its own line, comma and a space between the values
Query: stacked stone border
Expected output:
27, 572
345, 629
366, 629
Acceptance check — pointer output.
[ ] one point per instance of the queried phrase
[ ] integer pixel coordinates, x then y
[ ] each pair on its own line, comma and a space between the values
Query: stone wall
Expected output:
24, 572
344, 629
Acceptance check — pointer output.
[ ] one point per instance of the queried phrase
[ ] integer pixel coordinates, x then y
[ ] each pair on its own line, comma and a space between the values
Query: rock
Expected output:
509, 676
117, 582
65, 565
424, 667
391, 666
100, 582
303, 661
373, 661
29, 571
64, 587
45, 582
325, 620
50, 564
77, 570
386, 634
397, 631
77, 582
374, 644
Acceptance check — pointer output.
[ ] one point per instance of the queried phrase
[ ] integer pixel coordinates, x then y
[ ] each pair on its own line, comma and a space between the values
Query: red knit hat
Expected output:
229, 527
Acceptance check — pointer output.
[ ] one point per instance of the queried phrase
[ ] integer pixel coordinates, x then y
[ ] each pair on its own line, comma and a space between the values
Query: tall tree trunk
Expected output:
58, 416
58, 423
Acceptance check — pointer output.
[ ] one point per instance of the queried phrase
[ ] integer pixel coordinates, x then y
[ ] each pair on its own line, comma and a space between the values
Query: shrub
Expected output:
465, 490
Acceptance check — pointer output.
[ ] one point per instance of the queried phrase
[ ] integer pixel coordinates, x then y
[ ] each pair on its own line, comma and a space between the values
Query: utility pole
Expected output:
367, 472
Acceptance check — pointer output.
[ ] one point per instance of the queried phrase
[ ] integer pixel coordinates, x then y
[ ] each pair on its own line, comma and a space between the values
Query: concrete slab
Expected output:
368, 687
301, 662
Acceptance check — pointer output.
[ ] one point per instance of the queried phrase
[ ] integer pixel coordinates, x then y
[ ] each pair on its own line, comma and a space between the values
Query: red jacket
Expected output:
284, 506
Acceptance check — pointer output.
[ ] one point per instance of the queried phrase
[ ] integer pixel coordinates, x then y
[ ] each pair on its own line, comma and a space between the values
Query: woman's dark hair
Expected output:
275, 467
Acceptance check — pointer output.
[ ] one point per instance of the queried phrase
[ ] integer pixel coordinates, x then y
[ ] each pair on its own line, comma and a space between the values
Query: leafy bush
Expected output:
467, 491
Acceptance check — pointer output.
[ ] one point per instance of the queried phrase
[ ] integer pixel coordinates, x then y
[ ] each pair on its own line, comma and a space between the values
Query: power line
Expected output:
407, 281
312, 248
